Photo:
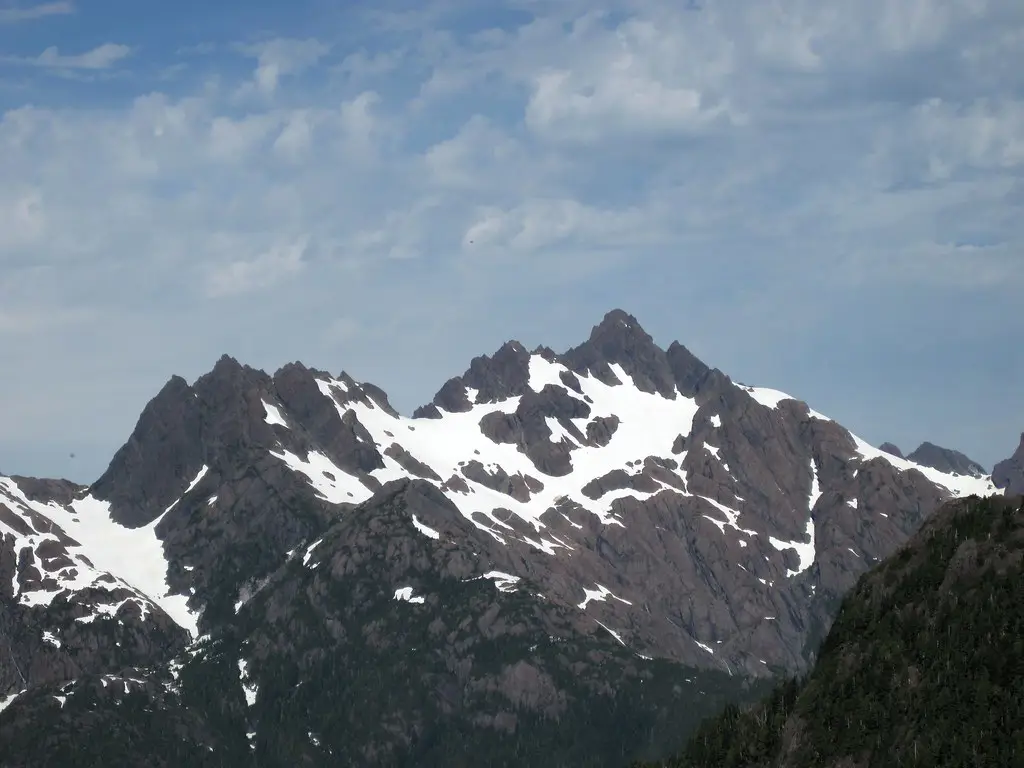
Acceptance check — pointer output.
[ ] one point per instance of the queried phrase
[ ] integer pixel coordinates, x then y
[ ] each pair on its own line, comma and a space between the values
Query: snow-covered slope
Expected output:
77, 554
649, 424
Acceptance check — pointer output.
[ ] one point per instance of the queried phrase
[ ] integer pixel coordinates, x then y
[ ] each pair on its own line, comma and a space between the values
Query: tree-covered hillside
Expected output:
923, 667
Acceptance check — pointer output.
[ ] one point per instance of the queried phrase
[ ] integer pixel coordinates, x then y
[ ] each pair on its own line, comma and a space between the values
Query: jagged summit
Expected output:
618, 340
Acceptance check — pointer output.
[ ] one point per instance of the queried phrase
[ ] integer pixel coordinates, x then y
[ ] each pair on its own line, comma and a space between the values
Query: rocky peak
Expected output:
227, 378
946, 460
690, 374
500, 376
619, 339
363, 392
227, 366
892, 450
164, 452
1009, 473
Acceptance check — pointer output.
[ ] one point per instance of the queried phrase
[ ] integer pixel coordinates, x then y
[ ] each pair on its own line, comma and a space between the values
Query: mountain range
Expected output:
283, 570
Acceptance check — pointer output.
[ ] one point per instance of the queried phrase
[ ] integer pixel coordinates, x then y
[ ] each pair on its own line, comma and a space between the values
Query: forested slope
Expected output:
923, 667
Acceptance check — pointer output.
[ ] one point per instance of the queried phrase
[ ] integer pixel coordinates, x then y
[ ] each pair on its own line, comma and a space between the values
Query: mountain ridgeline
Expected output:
562, 559
923, 666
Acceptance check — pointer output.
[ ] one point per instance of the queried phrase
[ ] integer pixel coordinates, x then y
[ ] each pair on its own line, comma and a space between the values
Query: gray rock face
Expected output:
61, 492
946, 460
1009, 474
164, 452
495, 378
619, 339
410, 463
519, 487
527, 427
891, 450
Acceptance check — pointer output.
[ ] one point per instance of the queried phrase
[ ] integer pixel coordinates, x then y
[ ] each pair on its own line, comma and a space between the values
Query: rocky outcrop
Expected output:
1009, 473
164, 452
410, 463
528, 429
519, 487
891, 449
618, 339
946, 460
499, 377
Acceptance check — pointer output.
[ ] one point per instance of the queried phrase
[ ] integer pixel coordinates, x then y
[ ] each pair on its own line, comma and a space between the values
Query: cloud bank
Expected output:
825, 197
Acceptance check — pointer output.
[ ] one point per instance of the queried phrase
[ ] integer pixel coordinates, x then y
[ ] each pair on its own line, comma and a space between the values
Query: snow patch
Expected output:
51, 638
612, 632
405, 594
732, 518
249, 688
424, 529
273, 415
134, 557
769, 398
504, 582
7, 701
805, 550
333, 485
707, 648
599, 594
309, 551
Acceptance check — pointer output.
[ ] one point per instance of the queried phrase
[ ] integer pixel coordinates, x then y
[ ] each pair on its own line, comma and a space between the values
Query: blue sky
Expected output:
821, 196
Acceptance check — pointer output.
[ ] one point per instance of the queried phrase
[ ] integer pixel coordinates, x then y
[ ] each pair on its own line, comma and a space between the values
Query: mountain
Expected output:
1009, 474
556, 543
935, 456
922, 666
946, 460
892, 449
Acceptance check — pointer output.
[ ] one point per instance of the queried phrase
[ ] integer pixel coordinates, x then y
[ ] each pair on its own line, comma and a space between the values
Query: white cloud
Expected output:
30, 321
22, 218
16, 14
983, 134
266, 270
475, 156
233, 140
747, 164
101, 57
359, 124
278, 58
362, 65
295, 137
539, 224
965, 267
